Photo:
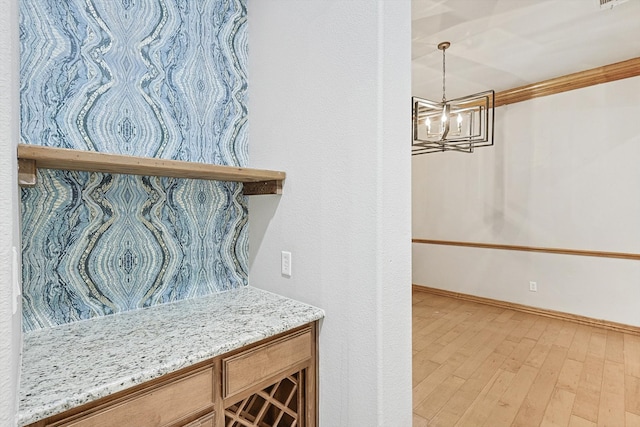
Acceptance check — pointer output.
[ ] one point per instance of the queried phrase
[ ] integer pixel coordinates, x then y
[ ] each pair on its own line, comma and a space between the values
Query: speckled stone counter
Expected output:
70, 365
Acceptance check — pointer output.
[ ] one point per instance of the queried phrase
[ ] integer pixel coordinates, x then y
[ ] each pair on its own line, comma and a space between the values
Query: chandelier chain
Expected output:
443, 75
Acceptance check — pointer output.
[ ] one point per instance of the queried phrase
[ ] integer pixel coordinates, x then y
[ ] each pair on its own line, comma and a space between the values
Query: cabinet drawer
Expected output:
156, 407
249, 368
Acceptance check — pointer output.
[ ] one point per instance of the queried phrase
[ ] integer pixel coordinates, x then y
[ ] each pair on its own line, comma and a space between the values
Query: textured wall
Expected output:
345, 212
152, 78
563, 174
10, 336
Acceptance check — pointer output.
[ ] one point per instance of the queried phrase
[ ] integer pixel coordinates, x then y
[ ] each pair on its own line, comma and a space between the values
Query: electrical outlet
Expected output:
533, 287
285, 263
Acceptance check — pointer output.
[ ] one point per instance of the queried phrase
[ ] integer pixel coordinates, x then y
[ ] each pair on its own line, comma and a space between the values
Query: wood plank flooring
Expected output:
477, 365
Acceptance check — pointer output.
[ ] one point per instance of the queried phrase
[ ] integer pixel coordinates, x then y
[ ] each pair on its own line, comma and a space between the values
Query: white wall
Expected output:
10, 336
329, 90
563, 173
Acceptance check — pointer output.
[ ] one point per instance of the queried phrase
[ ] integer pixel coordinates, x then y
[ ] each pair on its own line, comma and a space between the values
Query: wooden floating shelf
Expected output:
31, 157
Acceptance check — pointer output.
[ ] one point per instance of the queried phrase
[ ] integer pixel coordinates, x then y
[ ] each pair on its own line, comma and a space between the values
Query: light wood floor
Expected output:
477, 365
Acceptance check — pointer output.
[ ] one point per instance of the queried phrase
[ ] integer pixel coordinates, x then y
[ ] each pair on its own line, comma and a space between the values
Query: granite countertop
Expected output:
70, 365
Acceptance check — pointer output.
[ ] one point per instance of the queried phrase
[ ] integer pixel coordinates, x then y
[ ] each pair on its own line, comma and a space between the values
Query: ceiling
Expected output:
502, 44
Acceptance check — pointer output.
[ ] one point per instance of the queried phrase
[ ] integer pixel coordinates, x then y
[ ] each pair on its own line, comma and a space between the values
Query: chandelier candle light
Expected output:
452, 125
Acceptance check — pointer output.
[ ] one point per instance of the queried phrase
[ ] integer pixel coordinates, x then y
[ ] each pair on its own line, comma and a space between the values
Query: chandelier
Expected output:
460, 124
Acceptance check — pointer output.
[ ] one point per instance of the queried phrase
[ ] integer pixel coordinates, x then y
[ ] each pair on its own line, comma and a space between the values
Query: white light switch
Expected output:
285, 263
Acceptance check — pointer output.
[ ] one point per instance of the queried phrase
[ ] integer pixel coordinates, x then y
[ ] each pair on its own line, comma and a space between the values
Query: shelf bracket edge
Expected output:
262, 187
27, 173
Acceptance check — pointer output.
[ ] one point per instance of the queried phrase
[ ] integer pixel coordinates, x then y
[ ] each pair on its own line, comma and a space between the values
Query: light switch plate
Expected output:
285, 263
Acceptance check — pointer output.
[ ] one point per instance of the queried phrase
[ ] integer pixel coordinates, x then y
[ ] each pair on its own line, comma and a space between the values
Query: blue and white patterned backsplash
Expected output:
153, 78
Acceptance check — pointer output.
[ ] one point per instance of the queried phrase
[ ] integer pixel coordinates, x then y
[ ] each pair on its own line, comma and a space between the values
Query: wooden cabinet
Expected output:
269, 383
273, 384
242, 371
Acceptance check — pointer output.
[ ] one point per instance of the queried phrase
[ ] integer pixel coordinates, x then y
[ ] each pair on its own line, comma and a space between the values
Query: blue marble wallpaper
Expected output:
154, 78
